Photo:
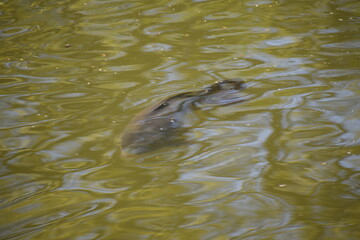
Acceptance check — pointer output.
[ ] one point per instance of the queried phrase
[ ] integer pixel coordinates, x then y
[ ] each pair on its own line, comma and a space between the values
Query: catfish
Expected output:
160, 124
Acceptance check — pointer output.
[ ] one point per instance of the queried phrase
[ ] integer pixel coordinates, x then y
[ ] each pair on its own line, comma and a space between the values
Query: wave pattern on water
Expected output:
284, 164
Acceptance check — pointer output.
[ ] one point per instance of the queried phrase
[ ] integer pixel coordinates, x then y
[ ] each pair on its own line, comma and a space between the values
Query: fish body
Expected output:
159, 124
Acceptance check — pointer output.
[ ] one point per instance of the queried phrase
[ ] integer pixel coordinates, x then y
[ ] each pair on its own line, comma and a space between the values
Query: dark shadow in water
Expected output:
163, 123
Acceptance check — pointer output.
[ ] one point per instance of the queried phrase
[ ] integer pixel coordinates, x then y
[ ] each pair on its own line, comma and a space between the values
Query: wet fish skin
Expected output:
159, 124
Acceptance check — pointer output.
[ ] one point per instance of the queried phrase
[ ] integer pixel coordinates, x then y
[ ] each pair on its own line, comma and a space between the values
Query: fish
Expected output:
160, 124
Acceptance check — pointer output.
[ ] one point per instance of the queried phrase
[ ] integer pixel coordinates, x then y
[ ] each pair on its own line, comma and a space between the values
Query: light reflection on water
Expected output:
284, 164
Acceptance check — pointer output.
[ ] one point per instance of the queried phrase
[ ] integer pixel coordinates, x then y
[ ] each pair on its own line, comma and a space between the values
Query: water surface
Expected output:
282, 165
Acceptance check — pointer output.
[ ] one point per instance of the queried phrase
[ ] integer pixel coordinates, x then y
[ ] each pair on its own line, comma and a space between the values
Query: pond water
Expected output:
284, 164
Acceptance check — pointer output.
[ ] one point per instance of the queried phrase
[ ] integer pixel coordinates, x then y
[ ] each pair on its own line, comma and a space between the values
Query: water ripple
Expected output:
281, 164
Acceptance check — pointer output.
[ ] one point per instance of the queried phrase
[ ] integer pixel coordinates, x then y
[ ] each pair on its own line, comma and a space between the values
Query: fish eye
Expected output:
161, 106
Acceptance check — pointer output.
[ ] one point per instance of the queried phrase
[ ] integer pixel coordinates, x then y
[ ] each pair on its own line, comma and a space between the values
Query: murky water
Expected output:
285, 164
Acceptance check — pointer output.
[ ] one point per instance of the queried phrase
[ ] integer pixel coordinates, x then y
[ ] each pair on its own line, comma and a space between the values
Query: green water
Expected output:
285, 164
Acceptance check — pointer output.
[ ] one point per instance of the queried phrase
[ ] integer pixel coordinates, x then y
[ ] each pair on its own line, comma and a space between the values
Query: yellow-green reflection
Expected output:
282, 165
